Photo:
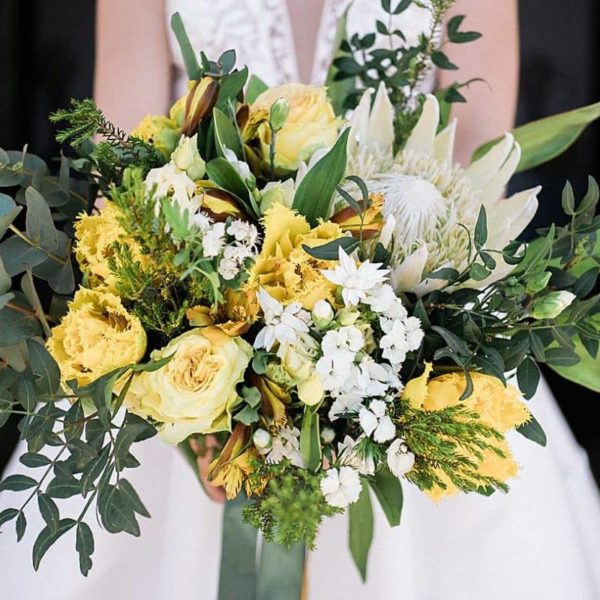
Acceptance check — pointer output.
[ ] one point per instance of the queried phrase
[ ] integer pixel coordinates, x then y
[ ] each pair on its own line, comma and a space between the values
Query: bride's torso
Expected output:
263, 33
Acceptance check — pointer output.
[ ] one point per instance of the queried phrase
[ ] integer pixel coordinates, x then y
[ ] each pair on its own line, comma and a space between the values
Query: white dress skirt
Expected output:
539, 542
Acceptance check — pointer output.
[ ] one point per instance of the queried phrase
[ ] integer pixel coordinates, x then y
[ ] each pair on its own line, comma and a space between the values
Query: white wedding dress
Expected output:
539, 542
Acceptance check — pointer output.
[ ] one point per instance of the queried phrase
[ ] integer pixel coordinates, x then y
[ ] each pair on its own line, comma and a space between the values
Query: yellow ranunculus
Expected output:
162, 132
498, 407
310, 125
96, 337
283, 268
95, 236
196, 390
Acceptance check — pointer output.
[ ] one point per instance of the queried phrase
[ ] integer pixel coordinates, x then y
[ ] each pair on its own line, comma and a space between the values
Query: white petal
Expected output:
381, 123
422, 136
408, 274
386, 430
359, 121
510, 217
368, 421
444, 144
495, 188
485, 168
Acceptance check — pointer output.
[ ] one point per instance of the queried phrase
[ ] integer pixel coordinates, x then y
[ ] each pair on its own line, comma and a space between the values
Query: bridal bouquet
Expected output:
299, 280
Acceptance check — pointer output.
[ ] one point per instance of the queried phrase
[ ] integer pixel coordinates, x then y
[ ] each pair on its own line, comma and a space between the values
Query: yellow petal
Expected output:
415, 390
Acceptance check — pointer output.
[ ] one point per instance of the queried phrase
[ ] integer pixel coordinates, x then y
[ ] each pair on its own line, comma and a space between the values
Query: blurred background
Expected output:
47, 57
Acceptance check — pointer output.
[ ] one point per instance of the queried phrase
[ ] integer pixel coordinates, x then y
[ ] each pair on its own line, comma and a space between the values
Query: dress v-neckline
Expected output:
288, 59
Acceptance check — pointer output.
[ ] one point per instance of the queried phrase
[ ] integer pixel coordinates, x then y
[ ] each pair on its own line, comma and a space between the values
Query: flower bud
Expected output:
322, 314
262, 440
538, 282
277, 192
327, 435
280, 109
551, 305
347, 317
199, 103
187, 158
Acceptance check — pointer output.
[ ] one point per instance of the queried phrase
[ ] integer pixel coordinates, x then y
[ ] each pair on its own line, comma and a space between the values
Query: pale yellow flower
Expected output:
499, 407
162, 132
310, 125
95, 236
96, 337
283, 268
195, 391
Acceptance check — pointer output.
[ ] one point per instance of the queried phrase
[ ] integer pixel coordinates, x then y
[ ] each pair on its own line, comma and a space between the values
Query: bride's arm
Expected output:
132, 74
491, 107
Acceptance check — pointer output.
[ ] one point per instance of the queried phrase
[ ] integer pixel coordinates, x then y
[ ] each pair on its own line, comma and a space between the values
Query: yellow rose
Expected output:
283, 268
95, 236
162, 132
96, 337
311, 124
196, 390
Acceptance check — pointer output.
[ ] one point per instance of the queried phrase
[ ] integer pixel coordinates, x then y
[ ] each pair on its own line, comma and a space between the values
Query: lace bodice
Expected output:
261, 33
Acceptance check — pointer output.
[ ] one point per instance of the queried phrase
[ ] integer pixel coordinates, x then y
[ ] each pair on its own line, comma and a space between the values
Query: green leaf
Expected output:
33, 460
256, 86
26, 393
115, 513
310, 439
62, 487
528, 377
561, 357
481, 233
44, 367
8, 514
453, 342
49, 511
130, 498
388, 489
460, 37
360, 533
187, 51
20, 526
330, 250
586, 372
18, 256
441, 61
8, 212
315, 193
226, 134
339, 90
17, 483
84, 545
47, 537
38, 222
533, 431
223, 173
544, 140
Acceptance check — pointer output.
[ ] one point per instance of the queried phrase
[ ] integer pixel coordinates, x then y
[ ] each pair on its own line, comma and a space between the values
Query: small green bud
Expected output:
280, 109
551, 305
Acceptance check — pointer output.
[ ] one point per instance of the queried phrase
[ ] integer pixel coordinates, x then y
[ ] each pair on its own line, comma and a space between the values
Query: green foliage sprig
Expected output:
451, 440
292, 505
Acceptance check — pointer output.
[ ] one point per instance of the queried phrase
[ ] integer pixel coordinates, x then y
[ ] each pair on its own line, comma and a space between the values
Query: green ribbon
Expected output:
275, 573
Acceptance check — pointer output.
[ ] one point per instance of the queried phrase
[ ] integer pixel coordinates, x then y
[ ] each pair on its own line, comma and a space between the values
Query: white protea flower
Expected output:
429, 197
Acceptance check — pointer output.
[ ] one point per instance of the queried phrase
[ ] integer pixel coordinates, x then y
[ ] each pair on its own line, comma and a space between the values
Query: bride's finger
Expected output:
204, 456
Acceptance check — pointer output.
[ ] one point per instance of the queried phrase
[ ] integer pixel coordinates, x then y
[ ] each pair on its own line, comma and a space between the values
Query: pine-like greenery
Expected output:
452, 441
291, 507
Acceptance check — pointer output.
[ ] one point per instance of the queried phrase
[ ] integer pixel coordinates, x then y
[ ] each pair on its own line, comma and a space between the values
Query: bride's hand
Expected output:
204, 456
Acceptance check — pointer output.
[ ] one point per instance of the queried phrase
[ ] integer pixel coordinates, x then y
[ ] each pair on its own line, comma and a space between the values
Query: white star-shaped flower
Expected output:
375, 421
286, 444
282, 324
341, 487
355, 280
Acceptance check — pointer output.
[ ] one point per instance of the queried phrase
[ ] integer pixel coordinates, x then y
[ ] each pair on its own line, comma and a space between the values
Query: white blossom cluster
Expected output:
232, 242
358, 364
